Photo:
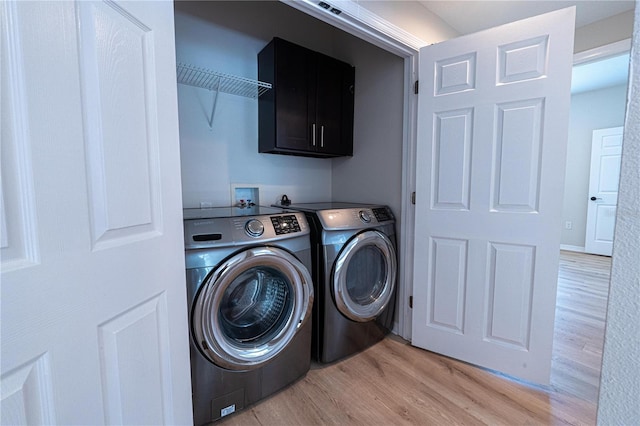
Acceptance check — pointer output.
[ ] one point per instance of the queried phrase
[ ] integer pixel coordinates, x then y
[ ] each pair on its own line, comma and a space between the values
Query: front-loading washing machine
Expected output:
354, 271
250, 297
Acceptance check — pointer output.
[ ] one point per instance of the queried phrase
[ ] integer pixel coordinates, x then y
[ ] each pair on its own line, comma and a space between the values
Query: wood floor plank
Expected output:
394, 383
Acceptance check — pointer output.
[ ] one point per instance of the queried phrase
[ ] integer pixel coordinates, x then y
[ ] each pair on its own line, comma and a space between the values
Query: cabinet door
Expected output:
329, 113
295, 104
310, 109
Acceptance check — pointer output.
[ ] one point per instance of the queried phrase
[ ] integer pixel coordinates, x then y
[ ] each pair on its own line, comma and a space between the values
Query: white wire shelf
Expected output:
220, 82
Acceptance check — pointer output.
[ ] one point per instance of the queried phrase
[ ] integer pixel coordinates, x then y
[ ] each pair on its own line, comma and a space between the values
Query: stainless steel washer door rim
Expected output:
376, 251
291, 307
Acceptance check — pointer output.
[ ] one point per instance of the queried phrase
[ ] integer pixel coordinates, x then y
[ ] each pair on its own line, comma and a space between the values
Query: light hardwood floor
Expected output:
394, 383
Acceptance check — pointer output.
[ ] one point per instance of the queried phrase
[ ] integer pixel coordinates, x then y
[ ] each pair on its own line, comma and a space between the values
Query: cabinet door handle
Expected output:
313, 134
321, 136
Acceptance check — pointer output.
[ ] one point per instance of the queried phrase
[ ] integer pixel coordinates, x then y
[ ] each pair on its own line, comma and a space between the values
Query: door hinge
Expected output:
413, 197
410, 302
415, 87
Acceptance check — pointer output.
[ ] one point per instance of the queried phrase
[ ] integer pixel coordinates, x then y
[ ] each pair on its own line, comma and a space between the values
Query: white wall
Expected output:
374, 173
227, 36
416, 19
620, 381
212, 159
603, 32
597, 109
412, 17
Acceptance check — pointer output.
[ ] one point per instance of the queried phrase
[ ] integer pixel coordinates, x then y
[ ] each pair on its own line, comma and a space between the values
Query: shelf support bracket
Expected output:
216, 92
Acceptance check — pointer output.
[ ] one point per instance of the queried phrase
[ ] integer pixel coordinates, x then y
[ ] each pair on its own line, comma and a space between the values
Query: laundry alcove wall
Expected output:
226, 37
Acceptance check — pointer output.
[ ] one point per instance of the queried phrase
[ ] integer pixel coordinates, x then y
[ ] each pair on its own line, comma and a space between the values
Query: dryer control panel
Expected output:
355, 218
382, 214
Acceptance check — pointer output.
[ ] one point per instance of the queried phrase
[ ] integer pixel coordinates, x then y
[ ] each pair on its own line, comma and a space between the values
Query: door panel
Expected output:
449, 272
509, 294
493, 120
516, 178
93, 282
606, 151
452, 159
141, 333
121, 144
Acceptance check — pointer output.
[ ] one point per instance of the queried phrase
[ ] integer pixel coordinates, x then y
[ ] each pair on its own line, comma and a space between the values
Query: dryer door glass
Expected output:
364, 276
250, 307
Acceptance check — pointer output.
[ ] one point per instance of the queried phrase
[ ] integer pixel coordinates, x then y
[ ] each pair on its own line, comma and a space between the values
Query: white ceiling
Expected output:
469, 16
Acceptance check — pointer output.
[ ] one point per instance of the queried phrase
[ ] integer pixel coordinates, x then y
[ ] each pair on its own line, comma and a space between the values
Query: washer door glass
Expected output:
256, 305
364, 276
251, 307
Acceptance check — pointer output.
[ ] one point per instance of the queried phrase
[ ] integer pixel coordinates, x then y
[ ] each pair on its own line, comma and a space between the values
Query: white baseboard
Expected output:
571, 248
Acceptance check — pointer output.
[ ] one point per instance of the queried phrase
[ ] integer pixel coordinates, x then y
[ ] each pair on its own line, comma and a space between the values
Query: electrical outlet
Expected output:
568, 225
205, 205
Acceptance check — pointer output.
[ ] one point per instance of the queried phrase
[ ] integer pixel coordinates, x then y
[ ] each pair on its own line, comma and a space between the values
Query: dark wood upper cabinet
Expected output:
309, 111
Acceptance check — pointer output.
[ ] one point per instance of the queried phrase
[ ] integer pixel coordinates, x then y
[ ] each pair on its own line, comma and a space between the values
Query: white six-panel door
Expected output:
604, 176
492, 134
94, 321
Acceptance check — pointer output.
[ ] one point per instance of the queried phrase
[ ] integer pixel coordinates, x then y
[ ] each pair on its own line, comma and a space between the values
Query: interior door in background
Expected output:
94, 313
604, 177
493, 115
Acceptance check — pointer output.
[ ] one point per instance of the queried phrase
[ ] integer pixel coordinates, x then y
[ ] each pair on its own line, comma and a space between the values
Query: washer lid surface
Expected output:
220, 212
329, 205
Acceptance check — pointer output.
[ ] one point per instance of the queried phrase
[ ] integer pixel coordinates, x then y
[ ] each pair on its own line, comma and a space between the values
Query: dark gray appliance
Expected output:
354, 271
250, 297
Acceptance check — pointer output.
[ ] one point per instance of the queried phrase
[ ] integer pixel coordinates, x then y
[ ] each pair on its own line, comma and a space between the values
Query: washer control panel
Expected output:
285, 224
254, 228
364, 216
231, 231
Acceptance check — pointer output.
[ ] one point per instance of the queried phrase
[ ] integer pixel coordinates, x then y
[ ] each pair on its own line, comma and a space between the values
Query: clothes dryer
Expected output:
354, 272
250, 296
